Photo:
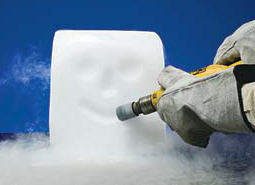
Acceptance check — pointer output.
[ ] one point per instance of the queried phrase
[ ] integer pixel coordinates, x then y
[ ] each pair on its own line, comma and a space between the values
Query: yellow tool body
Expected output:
200, 73
148, 104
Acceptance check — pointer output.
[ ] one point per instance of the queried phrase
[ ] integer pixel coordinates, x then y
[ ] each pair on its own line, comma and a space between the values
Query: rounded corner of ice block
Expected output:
58, 32
61, 33
156, 35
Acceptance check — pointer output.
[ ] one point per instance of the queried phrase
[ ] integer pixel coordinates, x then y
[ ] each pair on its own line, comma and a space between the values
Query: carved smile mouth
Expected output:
105, 112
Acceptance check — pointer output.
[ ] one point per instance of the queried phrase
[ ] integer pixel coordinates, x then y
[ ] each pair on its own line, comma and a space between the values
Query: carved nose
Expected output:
108, 83
109, 93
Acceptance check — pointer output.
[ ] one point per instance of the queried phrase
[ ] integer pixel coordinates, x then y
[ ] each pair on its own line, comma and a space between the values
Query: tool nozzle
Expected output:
143, 106
125, 112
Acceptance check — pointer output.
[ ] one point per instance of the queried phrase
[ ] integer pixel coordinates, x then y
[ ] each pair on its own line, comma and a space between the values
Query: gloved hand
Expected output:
239, 45
174, 109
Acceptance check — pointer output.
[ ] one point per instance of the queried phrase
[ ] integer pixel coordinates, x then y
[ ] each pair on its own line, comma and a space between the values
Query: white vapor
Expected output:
27, 77
29, 68
31, 160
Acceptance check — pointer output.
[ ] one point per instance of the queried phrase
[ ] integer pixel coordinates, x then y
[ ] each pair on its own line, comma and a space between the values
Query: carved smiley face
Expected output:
106, 74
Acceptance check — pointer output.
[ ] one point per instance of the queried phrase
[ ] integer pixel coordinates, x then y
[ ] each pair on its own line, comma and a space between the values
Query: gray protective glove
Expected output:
239, 45
174, 110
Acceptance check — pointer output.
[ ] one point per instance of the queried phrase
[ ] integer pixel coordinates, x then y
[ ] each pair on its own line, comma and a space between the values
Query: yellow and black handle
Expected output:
148, 104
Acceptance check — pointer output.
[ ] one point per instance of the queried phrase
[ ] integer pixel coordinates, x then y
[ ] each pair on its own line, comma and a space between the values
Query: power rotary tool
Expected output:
148, 104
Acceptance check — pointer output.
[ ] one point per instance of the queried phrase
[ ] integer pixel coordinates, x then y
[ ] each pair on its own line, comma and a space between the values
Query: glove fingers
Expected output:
172, 76
227, 53
240, 45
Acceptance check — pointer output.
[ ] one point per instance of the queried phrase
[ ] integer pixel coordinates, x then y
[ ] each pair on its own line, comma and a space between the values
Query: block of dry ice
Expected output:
93, 72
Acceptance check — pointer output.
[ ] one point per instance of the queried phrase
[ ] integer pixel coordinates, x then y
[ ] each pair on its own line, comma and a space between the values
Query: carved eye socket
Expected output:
84, 64
130, 68
87, 68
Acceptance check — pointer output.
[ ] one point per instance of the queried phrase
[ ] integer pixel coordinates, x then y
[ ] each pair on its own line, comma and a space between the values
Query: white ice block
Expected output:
93, 72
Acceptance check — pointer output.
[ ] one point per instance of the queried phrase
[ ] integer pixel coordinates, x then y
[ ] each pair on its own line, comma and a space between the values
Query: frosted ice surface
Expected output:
93, 72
